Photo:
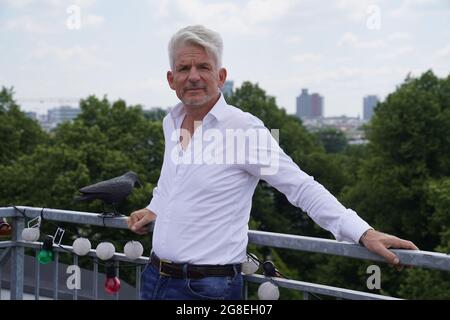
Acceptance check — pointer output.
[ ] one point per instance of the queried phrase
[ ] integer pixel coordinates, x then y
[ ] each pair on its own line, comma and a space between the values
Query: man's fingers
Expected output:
141, 231
130, 222
386, 254
399, 267
403, 244
139, 224
138, 221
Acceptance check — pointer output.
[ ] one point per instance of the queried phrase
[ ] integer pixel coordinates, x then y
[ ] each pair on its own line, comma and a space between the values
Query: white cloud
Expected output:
83, 3
26, 24
294, 39
370, 44
162, 9
355, 10
416, 8
266, 10
17, 4
348, 39
351, 40
92, 20
395, 53
306, 57
154, 84
443, 53
70, 56
232, 17
399, 36
21, 4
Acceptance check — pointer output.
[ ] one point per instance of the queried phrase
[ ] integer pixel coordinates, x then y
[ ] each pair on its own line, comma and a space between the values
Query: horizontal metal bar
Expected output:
7, 212
7, 244
427, 259
431, 260
319, 289
117, 256
81, 217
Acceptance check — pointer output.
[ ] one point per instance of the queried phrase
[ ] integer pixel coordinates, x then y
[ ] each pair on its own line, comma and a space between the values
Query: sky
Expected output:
56, 52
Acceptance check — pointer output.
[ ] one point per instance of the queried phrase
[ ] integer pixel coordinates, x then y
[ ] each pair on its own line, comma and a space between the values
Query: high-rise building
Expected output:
369, 103
227, 88
309, 105
61, 114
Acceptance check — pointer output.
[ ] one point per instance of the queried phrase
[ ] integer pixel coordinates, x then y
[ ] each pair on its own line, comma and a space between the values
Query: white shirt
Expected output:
203, 206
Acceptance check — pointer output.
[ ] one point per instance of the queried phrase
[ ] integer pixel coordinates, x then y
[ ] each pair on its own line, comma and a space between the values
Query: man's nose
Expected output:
194, 76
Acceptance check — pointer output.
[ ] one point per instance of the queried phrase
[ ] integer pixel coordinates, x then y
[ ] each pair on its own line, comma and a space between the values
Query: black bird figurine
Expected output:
112, 191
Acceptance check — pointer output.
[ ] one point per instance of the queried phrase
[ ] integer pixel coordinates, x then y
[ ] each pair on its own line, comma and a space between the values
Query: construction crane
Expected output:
49, 100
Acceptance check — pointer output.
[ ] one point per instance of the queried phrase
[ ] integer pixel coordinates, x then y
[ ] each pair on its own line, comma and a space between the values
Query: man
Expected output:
202, 207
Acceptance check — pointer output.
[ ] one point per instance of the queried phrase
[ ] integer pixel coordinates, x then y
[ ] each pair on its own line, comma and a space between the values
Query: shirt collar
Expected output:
218, 111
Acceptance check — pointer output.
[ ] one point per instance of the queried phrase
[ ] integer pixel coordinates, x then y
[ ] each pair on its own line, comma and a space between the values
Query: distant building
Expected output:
61, 114
55, 116
352, 127
227, 88
369, 103
309, 106
31, 115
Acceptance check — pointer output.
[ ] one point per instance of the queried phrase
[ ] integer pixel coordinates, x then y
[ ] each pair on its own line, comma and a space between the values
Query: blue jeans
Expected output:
157, 287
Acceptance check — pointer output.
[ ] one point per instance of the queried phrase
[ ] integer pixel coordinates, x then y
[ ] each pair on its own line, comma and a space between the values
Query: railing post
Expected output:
17, 260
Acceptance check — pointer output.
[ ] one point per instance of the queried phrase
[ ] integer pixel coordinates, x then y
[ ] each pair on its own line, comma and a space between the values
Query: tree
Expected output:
402, 181
333, 140
18, 134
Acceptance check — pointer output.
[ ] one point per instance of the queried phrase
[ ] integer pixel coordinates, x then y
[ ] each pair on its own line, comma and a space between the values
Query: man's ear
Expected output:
222, 76
170, 80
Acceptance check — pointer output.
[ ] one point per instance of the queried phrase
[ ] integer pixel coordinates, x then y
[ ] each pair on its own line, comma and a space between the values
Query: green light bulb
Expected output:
45, 256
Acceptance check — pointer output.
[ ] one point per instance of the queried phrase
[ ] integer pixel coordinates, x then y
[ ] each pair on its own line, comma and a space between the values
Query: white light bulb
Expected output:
30, 234
81, 246
268, 291
133, 250
105, 250
250, 266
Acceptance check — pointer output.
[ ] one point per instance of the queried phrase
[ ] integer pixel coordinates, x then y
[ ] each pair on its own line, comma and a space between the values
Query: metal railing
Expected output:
16, 246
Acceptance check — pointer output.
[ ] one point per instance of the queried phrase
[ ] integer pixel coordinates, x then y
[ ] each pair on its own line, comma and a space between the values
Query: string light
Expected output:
32, 233
112, 283
251, 265
133, 250
268, 291
46, 254
81, 246
105, 250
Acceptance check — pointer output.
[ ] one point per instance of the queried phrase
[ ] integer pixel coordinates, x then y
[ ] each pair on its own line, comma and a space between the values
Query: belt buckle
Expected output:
160, 267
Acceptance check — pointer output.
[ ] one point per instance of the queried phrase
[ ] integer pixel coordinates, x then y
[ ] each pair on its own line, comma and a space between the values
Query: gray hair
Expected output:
198, 35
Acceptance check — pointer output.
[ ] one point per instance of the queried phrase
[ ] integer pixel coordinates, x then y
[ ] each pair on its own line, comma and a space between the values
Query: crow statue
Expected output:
112, 191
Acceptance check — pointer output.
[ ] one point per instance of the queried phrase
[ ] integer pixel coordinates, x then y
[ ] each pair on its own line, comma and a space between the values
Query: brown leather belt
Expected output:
195, 271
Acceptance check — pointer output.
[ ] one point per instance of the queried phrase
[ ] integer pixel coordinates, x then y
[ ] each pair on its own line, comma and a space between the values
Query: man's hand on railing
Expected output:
379, 243
139, 219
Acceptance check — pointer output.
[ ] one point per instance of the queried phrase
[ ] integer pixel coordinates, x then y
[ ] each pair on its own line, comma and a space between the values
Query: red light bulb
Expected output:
112, 283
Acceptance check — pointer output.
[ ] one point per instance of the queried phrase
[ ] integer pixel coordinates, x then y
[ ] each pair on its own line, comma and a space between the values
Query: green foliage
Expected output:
155, 114
333, 140
403, 183
19, 134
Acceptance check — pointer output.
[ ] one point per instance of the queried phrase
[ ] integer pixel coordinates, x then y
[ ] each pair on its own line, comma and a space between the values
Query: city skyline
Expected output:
344, 50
